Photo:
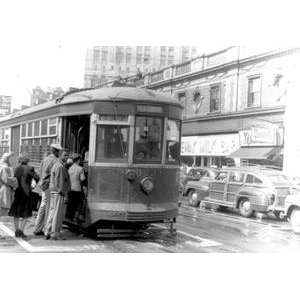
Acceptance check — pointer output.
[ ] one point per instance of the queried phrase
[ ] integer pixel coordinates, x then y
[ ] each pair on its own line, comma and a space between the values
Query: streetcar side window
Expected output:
148, 139
173, 146
112, 143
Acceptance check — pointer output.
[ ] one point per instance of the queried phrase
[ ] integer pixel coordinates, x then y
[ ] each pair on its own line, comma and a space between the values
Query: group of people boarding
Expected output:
60, 180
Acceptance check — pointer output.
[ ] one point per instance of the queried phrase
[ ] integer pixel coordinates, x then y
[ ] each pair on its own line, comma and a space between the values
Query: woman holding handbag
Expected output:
21, 208
8, 183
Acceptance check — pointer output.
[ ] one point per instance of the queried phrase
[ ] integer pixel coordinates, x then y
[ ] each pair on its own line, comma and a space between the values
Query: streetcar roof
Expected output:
119, 93
100, 94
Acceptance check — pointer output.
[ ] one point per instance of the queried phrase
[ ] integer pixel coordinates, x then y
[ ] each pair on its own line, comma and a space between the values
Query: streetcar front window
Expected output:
173, 146
112, 143
148, 139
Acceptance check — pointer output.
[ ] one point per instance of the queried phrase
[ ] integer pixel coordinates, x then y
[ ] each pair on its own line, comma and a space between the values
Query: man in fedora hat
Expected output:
45, 168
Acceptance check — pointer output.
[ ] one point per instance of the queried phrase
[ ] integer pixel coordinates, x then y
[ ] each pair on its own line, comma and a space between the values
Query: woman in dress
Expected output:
8, 183
21, 208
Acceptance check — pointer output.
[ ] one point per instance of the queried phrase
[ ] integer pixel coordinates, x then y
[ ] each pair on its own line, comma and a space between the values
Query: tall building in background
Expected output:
5, 105
104, 63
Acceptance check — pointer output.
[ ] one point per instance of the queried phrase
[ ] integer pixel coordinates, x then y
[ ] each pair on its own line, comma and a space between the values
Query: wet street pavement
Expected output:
198, 230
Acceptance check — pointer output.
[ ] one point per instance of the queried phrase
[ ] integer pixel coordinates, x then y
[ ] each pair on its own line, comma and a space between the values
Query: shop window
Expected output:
112, 143
254, 90
215, 96
173, 146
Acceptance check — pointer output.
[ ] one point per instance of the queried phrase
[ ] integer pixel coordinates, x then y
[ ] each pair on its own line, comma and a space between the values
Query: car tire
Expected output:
295, 220
193, 198
278, 215
245, 208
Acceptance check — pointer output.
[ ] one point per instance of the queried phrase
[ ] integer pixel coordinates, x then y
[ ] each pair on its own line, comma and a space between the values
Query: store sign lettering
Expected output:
258, 136
219, 145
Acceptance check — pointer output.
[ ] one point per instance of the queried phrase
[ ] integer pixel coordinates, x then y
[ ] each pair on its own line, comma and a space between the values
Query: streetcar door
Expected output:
15, 143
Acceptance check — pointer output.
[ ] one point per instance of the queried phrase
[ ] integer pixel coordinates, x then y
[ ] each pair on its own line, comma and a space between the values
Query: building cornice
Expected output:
246, 113
237, 63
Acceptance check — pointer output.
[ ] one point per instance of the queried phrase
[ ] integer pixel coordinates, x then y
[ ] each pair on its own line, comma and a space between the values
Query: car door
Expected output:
217, 187
235, 182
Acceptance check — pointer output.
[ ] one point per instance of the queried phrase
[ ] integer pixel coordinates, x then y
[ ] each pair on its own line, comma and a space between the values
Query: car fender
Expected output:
256, 196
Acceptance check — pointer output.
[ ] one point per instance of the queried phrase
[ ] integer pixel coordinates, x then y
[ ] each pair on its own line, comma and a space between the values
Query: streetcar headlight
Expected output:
147, 185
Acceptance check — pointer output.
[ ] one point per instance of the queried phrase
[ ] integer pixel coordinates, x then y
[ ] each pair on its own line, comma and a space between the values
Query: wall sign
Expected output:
209, 145
259, 136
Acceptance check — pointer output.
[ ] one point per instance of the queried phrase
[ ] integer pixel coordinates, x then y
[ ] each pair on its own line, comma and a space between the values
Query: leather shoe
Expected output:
47, 237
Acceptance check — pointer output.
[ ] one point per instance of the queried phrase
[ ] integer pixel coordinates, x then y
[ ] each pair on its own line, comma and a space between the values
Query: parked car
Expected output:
250, 189
197, 184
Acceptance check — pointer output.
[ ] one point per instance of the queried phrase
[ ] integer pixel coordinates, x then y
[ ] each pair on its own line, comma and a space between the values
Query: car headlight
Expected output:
147, 185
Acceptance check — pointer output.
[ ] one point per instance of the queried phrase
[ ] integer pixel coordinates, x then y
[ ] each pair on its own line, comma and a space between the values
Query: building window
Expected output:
215, 95
104, 56
128, 55
181, 97
119, 55
96, 56
254, 87
182, 100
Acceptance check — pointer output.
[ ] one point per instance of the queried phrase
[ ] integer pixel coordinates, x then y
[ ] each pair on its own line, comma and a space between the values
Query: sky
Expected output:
44, 42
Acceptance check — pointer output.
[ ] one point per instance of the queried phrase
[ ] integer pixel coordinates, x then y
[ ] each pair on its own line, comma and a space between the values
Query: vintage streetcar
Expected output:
129, 141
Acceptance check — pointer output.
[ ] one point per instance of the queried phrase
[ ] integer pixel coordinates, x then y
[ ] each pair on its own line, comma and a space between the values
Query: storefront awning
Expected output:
255, 152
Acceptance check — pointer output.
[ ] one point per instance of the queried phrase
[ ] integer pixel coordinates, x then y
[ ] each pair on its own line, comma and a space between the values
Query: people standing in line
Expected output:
8, 183
59, 188
21, 208
75, 196
45, 170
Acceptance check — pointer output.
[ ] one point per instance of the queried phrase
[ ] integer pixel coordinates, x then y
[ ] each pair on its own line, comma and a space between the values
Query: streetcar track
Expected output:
231, 217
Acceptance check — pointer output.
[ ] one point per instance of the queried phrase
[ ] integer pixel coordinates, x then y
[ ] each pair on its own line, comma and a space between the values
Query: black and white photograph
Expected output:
149, 128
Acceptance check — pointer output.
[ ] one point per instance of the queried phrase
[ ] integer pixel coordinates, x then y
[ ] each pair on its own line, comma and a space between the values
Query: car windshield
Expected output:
279, 179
